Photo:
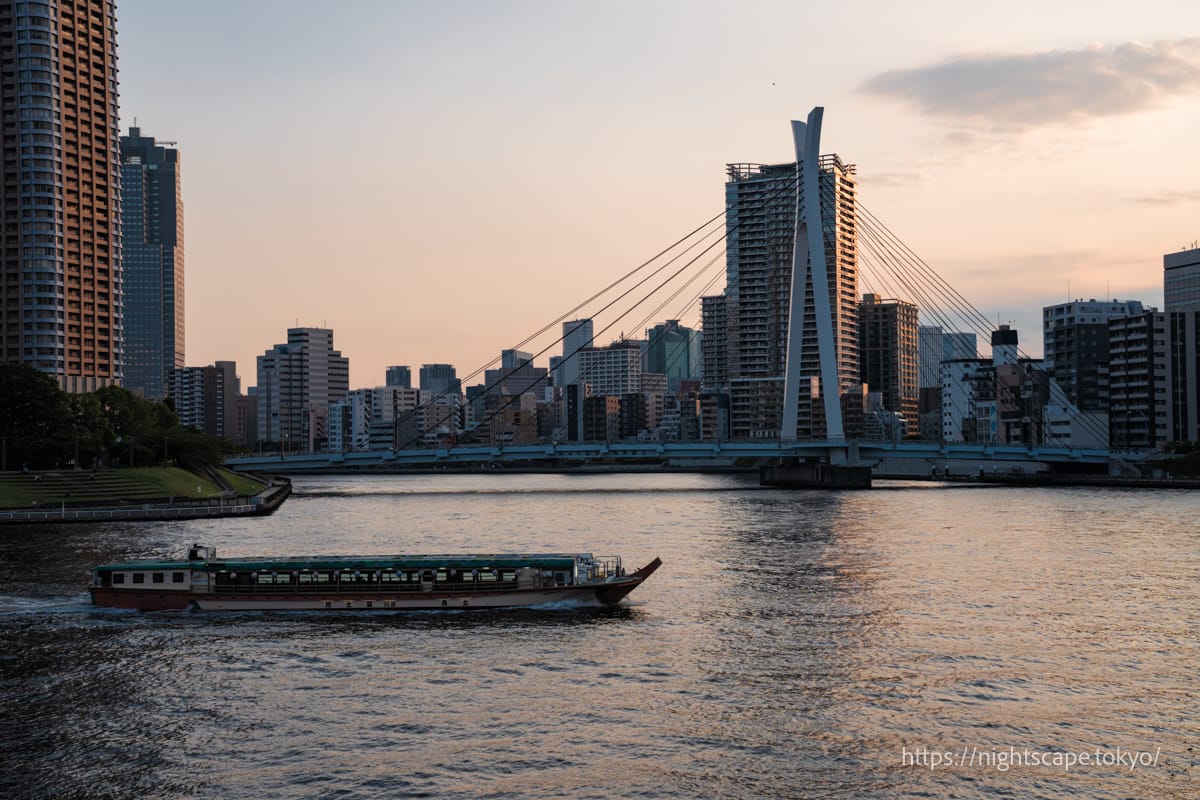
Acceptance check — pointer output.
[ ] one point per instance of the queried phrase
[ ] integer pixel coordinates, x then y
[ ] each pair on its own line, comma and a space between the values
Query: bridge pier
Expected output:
814, 475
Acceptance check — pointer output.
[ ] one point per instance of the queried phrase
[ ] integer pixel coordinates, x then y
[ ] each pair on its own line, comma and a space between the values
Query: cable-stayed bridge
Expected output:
925, 456
803, 298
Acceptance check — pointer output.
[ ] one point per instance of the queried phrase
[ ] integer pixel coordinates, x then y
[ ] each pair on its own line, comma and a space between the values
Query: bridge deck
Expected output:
696, 454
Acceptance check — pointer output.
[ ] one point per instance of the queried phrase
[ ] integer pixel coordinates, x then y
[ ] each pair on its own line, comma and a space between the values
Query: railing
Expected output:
157, 513
608, 567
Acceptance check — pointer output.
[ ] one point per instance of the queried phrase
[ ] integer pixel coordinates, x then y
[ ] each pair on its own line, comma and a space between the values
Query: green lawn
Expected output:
244, 484
109, 486
12, 496
175, 482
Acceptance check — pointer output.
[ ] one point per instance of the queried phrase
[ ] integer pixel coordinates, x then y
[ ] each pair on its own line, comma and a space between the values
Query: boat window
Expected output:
118, 577
508, 576
322, 577
139, 577
158, 577
176, 577
441, 574
306, 577
487, 575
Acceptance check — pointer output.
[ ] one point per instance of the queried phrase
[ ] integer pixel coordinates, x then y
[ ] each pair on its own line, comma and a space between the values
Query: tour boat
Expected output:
385, 582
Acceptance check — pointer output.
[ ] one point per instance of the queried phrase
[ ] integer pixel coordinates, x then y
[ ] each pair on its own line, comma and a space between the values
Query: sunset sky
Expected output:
437, 180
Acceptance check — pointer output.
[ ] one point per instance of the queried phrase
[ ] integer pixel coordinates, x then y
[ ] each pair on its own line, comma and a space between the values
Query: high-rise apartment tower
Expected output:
60, 280
888, 350
760, 218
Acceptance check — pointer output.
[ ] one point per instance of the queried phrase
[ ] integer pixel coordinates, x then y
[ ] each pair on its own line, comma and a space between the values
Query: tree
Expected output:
31, 411
42, 427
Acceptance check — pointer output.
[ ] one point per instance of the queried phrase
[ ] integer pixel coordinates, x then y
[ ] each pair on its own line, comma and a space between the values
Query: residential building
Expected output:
887, 331
1138, 381
715, 346
61, 284
519, 385
377, 418
760, 202
205, 398
612, 371
246, 430
1001, 400
515, 381
510, 419
1181, 296
964, 381
1075, 346
297, 383
601, 418
714, 415
152, 258
441, 417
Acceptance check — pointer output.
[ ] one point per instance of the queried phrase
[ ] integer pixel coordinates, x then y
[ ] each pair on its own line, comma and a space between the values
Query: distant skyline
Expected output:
435, 181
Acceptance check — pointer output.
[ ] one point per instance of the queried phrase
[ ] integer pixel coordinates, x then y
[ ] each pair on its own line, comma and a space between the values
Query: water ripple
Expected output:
794, 645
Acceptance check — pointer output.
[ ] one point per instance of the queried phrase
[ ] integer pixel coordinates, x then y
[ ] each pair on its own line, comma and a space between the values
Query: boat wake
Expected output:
573, 604
24, 605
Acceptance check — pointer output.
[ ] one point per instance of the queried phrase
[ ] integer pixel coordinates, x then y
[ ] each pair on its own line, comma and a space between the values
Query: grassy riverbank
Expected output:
112, 487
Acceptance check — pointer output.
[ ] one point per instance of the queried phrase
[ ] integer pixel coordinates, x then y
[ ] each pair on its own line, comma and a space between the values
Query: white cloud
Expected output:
1170, 198
984, 95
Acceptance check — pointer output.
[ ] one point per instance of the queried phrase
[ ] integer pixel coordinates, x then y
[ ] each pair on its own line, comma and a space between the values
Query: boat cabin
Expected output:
204, 572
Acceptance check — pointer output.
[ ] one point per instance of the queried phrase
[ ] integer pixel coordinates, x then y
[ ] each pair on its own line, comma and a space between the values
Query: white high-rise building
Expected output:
297, 383
612, 371
576, 335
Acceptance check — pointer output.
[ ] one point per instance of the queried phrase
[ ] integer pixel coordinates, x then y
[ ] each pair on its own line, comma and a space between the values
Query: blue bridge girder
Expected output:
678, 454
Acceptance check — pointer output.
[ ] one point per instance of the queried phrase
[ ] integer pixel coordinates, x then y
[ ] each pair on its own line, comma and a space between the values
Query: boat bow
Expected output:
614, 592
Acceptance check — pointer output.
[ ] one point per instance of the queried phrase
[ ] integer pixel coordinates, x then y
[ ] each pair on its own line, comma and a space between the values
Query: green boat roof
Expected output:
452, 561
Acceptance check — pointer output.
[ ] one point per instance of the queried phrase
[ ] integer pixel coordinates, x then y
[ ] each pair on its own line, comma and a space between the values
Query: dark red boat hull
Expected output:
613, 594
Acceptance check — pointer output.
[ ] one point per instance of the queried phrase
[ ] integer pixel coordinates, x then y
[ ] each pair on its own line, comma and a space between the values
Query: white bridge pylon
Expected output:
808, 259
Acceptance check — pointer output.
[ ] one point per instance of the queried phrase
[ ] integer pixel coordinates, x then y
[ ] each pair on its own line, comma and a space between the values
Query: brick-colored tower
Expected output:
60, 238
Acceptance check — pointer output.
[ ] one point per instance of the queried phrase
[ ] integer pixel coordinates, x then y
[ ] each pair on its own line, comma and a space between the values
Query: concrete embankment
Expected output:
265, 502
1043, 479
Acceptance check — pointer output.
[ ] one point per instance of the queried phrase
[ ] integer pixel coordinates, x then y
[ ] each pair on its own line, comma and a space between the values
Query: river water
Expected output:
793, 645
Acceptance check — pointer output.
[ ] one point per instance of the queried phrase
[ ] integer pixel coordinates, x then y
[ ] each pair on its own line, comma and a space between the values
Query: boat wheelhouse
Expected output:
375, 582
